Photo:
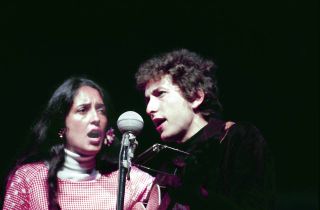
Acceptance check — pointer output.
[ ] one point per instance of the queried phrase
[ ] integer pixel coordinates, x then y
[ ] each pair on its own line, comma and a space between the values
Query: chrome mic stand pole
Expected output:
128, 145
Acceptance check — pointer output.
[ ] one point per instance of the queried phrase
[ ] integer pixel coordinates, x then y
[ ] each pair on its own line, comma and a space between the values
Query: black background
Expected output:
266, 51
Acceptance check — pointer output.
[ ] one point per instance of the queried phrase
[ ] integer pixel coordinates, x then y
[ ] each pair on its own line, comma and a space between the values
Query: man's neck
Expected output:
197, 124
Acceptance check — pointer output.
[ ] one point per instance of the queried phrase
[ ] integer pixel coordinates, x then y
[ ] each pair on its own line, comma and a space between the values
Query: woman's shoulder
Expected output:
135, 171
135, 174
30, 170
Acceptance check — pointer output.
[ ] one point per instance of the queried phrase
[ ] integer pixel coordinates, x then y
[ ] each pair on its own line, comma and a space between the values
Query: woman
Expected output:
66, 168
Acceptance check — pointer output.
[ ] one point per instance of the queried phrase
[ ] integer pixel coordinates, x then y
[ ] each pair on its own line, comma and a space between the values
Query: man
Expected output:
229, 166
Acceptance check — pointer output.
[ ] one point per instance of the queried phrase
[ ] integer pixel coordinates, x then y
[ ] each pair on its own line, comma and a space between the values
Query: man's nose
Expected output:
152, 106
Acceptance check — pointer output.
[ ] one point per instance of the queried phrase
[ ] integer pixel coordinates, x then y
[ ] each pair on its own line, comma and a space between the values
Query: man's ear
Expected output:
198, 99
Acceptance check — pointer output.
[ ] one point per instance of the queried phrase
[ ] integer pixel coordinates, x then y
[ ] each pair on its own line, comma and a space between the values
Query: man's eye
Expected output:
160, 93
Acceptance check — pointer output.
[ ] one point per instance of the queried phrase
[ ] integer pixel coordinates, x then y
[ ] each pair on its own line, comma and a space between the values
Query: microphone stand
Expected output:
128, 145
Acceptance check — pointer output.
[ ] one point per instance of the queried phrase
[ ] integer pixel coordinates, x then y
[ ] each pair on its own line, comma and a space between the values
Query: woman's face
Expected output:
86, 122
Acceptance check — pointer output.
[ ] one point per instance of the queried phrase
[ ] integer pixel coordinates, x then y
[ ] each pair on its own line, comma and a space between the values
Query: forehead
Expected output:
163, 82
87, 94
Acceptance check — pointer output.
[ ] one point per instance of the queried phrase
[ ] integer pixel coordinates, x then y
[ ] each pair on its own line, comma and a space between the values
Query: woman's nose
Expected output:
95, 118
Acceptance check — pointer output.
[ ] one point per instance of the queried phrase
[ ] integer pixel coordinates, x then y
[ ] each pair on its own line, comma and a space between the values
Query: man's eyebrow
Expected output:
154, 91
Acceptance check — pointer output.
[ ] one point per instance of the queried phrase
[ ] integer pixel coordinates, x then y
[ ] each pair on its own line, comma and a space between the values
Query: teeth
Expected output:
94, 134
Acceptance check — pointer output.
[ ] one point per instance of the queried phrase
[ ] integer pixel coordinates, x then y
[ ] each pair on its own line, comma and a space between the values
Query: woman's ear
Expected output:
198, 99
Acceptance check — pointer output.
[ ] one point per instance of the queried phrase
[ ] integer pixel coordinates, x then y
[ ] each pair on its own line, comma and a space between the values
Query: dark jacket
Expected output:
227, 169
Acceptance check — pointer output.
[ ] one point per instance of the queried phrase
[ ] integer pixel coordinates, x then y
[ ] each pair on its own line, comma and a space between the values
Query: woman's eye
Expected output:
81, 109
102, 110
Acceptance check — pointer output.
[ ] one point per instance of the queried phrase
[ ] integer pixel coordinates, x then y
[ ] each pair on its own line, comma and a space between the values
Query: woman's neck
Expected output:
78, 168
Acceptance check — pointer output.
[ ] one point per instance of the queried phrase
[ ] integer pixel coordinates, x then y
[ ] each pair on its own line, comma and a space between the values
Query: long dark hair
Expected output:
46, 144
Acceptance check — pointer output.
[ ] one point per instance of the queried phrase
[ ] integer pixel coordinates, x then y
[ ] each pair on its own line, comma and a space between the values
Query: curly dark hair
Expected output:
189, 72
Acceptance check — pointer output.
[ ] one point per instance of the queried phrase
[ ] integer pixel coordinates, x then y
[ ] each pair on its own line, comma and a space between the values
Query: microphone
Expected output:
130, 121
129, 124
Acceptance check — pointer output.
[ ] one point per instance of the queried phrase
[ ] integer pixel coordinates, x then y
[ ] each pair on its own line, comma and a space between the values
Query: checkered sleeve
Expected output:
142, 183
16, 196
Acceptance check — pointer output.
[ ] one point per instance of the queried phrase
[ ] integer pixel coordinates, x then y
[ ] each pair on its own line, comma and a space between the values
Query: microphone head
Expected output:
130, 121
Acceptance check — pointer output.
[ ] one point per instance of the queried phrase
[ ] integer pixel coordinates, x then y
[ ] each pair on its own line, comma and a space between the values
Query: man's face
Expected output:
172, 115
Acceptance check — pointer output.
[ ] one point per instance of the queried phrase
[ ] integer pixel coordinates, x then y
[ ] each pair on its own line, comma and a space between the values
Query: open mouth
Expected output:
157, 122
94, 134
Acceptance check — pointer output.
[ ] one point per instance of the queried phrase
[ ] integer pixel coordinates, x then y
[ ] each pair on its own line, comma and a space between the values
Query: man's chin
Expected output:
168, 139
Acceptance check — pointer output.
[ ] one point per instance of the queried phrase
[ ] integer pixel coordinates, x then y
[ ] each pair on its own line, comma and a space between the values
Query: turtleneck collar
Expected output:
214, 128
78, 168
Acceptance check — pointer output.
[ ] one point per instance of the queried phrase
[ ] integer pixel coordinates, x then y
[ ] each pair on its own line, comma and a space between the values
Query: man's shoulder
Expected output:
245, 132
244, 141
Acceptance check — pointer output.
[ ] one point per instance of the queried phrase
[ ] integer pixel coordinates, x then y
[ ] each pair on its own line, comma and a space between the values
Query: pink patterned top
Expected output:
27, 189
